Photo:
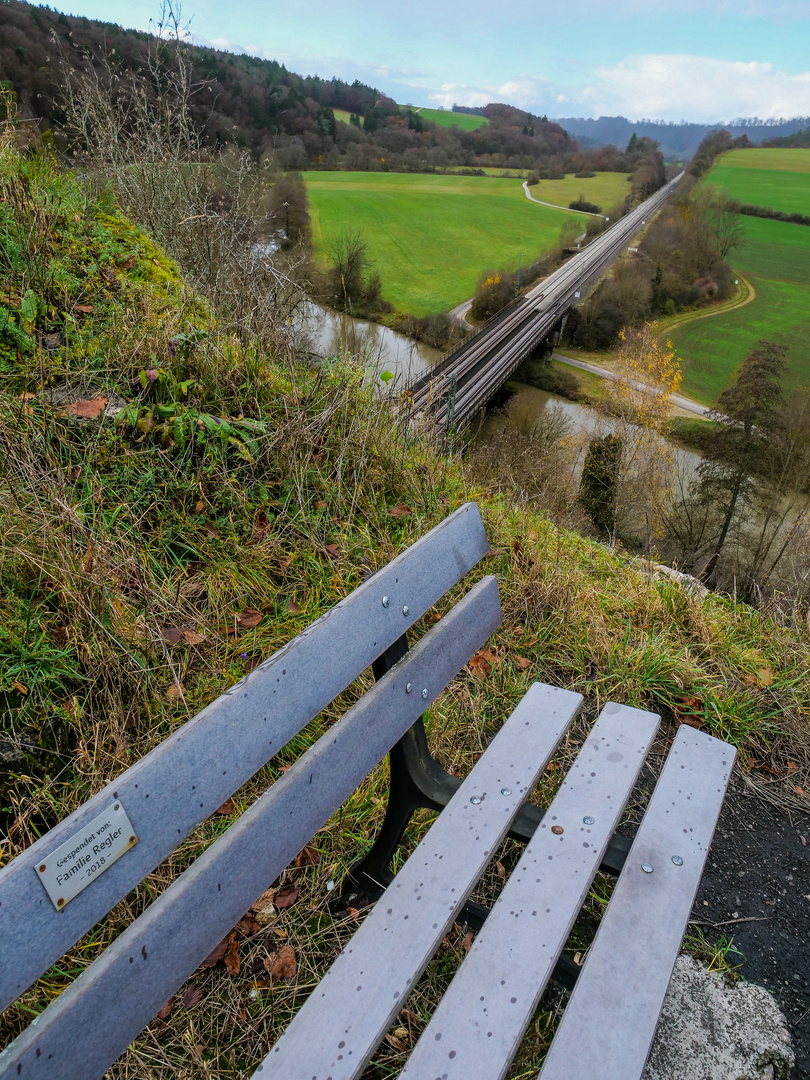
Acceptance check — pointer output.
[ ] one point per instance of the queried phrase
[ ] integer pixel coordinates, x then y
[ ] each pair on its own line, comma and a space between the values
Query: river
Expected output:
384, 350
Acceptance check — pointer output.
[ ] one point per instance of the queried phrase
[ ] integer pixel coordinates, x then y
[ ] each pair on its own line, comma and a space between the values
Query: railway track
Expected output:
485, 361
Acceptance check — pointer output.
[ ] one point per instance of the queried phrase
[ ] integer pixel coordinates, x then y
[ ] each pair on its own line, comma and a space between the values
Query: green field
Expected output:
779, 179
776, 261
342, 115
465, 121
604, 189
432, 236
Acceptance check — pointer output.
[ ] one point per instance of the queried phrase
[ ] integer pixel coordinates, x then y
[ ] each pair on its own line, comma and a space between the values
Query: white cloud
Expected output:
526, 91
699, 88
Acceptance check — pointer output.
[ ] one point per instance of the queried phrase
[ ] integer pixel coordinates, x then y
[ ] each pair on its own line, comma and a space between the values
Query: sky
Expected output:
694, 60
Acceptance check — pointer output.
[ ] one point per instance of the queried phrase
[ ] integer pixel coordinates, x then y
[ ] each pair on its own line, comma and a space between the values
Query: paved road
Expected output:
604, 373
556, 206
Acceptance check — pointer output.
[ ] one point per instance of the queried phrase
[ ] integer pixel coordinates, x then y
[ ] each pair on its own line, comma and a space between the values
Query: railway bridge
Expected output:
458, 387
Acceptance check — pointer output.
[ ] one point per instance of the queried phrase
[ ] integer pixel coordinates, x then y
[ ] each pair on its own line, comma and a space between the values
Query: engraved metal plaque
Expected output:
78, 862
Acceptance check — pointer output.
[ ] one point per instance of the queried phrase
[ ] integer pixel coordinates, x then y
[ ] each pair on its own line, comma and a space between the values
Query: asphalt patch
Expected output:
756, 890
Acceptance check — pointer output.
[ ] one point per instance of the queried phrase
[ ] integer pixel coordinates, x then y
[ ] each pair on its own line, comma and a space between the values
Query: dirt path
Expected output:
677, 321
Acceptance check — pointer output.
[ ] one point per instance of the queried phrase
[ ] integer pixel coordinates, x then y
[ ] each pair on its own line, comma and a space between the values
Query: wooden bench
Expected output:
126, 830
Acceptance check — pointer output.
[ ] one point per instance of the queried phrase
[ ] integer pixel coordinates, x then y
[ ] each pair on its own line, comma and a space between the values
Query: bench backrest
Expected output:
174, 788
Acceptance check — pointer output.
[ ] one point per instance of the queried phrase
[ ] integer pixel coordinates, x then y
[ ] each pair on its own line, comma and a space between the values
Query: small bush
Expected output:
585, 206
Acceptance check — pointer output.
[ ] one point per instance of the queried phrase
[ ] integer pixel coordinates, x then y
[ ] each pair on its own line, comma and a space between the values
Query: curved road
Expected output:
676, 399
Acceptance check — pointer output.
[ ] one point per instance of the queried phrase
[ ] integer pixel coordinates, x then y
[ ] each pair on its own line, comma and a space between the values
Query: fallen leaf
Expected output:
522, 662
468, 940
175, 692
215, 955
87, 409
171, 635
279, 932
266, 915
403, 510
226, 809
499, 867
690, 721
240, 1016
765, 676
332, 550
84, 309
481, 664
310, 856
167, 1008
231, 957
192, 996
191, 637
287, 896
199, 507
396, 1043
281, 965
265, 900
211, 530
293, 608
249, 618
248, 926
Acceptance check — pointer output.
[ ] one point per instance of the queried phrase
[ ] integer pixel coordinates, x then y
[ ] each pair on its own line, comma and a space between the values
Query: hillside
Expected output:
180, 495
676, 140
259, 104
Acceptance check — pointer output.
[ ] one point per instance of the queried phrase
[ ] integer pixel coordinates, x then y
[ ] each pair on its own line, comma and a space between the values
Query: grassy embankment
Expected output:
431, 237
775, 260
149, 559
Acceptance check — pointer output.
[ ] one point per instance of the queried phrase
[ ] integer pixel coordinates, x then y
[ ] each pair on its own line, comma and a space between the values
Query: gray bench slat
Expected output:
609, 1034
175, 787
346, 1016
177, 932
478, 1025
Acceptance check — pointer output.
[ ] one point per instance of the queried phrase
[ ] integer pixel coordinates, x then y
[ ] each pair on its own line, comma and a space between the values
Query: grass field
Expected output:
342, 114
779, 179
431, 237
776, 261
604, 189
466, 121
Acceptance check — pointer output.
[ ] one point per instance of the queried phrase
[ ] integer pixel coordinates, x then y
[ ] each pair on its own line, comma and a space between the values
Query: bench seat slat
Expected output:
183, 925
640, 935
479, 1023
346, 1016
175, 787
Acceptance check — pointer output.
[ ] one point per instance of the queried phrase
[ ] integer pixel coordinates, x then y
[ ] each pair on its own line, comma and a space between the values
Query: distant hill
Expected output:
676, 140
260, 105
